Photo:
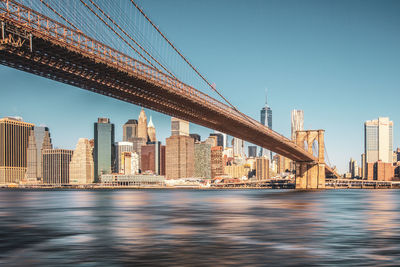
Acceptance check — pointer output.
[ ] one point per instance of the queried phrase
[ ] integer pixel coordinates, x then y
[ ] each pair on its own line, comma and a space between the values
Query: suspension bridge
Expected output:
104, 47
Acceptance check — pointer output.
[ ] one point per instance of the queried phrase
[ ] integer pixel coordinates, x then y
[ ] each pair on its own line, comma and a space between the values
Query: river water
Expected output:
199, 227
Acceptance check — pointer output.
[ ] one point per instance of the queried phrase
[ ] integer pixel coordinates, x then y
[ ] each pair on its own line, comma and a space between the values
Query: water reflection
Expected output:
162, 227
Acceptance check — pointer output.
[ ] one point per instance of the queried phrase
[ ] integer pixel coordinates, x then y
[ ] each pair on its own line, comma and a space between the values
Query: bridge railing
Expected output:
49, 29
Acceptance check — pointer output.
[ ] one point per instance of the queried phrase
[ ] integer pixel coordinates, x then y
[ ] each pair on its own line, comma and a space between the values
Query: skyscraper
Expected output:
252, 151
379, 140
179, 127
179, 151
104, 151
39, 139
153, 158
353, 168
238, 147
266, 119
363, 167
262, 168
224, 138
130, 130
297, 122
220, 139
129, 163
151, 131
81, 167
142, 125
217, 162
55, 165
202, 160
120, 148
14, 137
179, 154
378, 144
196, 137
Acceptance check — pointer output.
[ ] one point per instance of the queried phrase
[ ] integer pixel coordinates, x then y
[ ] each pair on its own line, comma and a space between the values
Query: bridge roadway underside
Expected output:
61, 63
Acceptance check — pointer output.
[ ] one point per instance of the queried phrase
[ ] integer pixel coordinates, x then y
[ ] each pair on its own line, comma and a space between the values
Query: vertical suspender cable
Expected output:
127, 35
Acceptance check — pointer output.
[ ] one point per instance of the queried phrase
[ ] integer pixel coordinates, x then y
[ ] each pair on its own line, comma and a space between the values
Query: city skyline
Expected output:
103, 160
343, 121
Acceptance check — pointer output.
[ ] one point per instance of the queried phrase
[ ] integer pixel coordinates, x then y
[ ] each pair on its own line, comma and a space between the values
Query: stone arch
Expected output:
306, 139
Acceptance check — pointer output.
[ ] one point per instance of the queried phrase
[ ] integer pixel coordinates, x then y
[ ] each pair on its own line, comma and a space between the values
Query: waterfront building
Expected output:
297, 122
132, 180
14, 138
142, 125
378, 136
151, 131
202, 160
153, 158
262, 168
217, 163
252, 151
130, 130
236, 171
39, 139
220, 138
120, 148
179, 157
266, 119
104, 150
196, 137
179, 127
55, 166
81, 167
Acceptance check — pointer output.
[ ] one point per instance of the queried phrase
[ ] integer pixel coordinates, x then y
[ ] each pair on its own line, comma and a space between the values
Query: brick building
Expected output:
179, 161
217, 163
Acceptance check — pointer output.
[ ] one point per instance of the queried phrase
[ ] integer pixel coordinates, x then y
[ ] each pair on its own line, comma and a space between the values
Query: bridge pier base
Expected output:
310, 175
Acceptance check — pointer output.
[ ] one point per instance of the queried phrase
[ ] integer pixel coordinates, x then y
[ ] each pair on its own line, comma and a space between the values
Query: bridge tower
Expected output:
311, 175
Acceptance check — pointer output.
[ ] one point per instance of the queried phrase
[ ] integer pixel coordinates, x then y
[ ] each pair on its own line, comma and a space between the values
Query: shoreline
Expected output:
66, 188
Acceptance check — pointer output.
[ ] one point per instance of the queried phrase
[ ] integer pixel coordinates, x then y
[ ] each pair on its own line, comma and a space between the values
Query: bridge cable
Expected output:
61, 16
327, 155
192, 67
183, 57
125, 18
133, 40
123, 39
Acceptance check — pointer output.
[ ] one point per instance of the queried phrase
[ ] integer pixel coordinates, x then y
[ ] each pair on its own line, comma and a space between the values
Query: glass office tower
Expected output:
104, 149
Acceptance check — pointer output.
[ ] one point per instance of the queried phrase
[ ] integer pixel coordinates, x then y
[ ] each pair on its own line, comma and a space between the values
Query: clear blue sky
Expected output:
339, 61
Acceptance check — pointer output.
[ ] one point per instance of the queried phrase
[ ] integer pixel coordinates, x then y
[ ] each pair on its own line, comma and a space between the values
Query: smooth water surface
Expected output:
199, 227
